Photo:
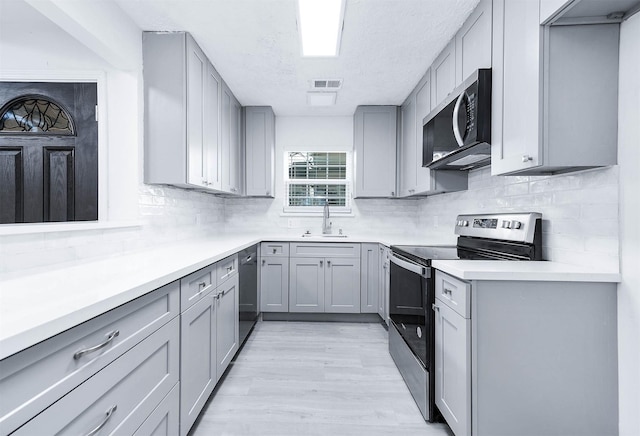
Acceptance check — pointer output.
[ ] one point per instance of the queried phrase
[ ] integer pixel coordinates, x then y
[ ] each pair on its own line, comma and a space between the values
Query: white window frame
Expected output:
317, 210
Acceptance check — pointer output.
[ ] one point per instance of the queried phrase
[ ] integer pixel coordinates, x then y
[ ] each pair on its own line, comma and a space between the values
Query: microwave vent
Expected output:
325, 84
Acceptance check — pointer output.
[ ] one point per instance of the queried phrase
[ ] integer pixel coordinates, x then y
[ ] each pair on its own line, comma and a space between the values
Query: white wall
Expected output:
375, 217
629, 289
32, 47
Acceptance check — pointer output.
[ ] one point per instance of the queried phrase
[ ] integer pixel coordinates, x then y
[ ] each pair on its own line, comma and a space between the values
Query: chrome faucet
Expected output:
326, 225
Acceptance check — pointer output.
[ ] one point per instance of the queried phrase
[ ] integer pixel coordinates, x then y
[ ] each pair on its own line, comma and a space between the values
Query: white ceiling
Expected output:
387, 45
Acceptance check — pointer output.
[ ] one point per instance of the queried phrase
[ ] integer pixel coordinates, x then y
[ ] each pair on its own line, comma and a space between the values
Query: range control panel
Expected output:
510, 227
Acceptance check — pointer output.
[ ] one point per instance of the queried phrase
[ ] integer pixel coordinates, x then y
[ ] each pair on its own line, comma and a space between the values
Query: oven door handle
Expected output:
401, 262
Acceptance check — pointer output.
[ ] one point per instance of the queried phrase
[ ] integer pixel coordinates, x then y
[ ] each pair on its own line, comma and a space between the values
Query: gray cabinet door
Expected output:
375, 151
453, 368
260, 151
274, 284
369, 278
213, 101
408, 164
306, 286
165, 419
443, 74
342, 285
197, 359
516, 79
423, 107
196, 78
227, 323
227, 171
473, 42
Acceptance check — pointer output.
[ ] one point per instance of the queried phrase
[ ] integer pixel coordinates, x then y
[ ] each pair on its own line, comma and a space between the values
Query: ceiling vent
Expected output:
326, 84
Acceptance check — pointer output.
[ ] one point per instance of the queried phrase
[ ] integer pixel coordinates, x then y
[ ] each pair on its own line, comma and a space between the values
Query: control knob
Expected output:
506, 224
516, 224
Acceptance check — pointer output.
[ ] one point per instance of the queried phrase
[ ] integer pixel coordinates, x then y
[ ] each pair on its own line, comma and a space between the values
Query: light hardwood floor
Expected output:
304, 378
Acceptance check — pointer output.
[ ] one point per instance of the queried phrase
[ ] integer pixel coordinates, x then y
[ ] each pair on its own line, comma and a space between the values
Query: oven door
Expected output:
408, 302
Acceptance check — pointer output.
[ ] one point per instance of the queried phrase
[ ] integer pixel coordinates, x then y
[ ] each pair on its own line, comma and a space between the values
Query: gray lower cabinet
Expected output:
274, 277
370, 278
453, 367
384, 274
209, 340
198, 366
306, 284
526, 358
32, 380
227, 323
324, 278
164, 420
119, 398
342, 285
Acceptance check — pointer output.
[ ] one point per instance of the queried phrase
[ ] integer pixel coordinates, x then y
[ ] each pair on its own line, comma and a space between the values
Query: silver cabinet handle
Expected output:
264, 262
205, 289
526, 158
110, 337
218, 295
275, 250
328, 264
448, 291
456, 127
109, 413
435, 308
321, 262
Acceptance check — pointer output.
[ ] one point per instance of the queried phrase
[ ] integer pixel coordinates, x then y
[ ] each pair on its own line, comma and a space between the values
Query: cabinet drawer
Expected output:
274, 249
325, 250
164, 420
35, 378
196, 285
226, 268
454, 293
130, 388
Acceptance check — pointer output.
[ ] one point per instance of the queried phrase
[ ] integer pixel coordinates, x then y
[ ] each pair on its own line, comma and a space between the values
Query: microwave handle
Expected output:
456, 127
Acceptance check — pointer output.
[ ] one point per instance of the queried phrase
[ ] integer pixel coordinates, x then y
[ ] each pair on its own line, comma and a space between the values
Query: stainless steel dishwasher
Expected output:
248, 285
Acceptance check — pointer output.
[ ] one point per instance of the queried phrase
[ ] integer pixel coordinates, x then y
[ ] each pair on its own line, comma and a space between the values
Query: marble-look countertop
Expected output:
36, 305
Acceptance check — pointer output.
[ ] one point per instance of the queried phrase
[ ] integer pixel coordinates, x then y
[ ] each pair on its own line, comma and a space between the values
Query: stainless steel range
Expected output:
514, 236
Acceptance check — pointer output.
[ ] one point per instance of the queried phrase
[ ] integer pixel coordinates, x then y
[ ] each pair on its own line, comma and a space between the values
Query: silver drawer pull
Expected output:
202, 285
328, 263
435, 308
448, 291
205, 289
110, 337
104, 421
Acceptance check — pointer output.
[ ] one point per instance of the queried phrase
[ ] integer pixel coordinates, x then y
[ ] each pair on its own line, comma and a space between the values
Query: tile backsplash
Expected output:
580, 212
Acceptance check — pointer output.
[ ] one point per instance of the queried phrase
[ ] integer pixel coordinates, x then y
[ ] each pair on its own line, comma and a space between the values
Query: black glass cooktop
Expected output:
424, 254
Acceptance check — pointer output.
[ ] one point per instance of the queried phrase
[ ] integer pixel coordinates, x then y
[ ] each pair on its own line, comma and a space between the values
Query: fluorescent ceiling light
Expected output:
320, 26
321, 98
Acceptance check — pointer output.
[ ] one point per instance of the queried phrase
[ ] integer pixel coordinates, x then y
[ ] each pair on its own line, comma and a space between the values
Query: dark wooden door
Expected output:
48, 152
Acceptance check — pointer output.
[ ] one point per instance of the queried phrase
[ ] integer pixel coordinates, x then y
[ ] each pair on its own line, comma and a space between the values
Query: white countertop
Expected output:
37, 305
524, 271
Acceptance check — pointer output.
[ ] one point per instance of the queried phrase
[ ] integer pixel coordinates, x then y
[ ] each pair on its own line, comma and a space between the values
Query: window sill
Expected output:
34, 228
318, 214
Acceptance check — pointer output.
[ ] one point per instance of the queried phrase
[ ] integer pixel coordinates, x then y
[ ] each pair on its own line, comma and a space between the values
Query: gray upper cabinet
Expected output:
473, 42
200, 147
423, 107
375, 151
230, 156
543, 118
408, 147
260, 143
443, 74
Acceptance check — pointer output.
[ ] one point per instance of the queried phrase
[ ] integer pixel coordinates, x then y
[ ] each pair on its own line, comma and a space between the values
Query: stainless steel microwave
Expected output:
457, 133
